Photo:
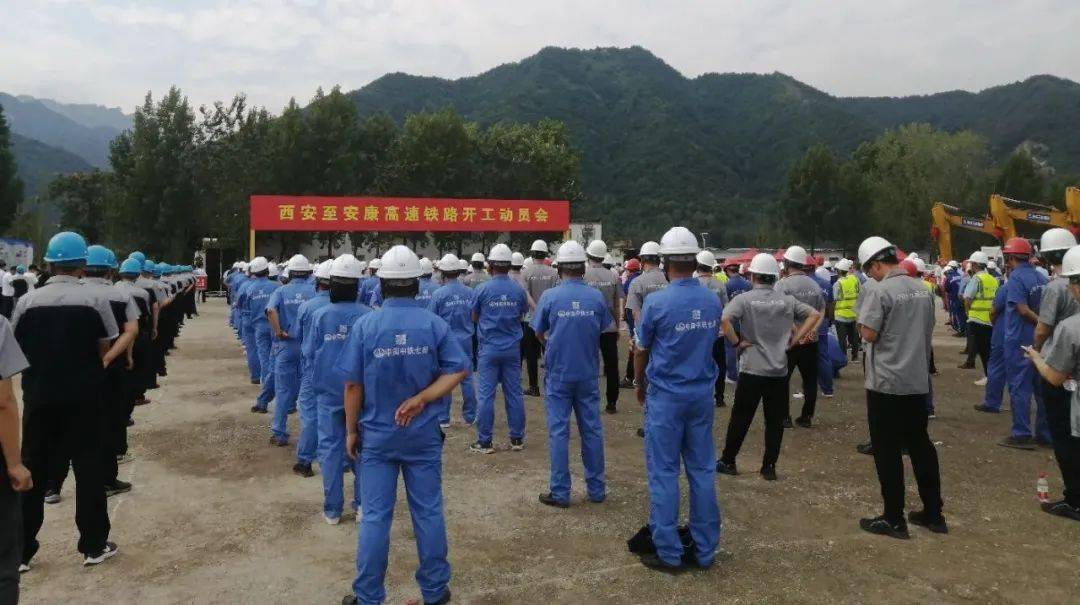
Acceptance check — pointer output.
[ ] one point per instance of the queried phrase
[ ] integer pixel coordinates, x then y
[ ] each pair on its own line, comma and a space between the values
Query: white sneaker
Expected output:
331, 520
108, 552
828, 395
124, 459
359, 515
981, 382
24, 567
729, 381
444, 425
798, 395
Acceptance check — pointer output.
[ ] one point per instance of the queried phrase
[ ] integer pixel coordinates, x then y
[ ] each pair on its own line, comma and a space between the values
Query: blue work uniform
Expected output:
247, 330
1024, 287
736, 285
571, 316
825, 362
678, 327
305, 399
233, 283
453, 302
499, 306
324, 342
395, 353
367, 288
995, 366
257, 297
427, 288
286, 301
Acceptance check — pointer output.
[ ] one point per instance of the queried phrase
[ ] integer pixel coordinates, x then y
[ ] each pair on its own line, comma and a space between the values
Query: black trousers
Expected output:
896, 422
805, 358
609, 351
71, 431
979, 335
750, 390
7, 305
1066, 447
532, 357
10, 542
848, 335
720, 358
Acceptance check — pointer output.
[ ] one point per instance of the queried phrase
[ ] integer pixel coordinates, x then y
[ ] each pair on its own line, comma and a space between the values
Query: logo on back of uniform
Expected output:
400, 340
341, 334
695, 315
575, 305
695, 323
503, 297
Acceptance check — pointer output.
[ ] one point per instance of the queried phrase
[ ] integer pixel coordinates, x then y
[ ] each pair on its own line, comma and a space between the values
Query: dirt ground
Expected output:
216, 515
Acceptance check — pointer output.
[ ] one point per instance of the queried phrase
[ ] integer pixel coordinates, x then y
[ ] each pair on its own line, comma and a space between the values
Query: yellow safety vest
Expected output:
721, 277
849, 293
984, 297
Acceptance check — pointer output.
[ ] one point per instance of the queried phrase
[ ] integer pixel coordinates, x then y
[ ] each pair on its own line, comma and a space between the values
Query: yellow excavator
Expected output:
946, 217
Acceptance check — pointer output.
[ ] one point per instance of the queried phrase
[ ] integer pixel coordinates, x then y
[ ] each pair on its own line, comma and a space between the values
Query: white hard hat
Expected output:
539, 246
706, 258
991, 264
346, 266
449, 262
464, 264
517, 259
478, 257
258, 264
597, 249
275, 270
500, 253
528, 261
1057, 239
823, 273
796, 254
843, 265
871, 247
953, 264
1070, 264
763, 263
649, 249
911, 257
920, 265
679, 241
299, 263
980, 257
570, 252
426, 266
243, 266
322, 271
375, 263
608, 260
399, 263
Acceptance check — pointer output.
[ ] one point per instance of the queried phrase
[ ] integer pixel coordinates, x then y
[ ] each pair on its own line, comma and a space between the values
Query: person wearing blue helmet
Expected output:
69, 335
281, 313
140, 377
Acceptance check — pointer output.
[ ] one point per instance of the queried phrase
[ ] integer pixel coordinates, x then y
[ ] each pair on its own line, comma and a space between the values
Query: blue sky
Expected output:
112, 52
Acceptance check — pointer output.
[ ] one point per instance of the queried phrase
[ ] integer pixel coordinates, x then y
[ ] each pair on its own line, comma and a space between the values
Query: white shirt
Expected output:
5, 285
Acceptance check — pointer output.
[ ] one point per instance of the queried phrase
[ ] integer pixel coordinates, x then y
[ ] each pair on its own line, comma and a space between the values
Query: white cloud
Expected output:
113, 51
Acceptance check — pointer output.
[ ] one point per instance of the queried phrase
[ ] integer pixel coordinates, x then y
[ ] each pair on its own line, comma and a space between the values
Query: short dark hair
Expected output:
765, 278
572, 269
1054, 257
538, 255
682, 265
97, 271
400, 288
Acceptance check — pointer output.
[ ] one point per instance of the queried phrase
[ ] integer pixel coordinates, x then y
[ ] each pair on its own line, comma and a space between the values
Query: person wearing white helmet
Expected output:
803, 354
369, 283
768, 321
538, 278
845, 294
243, 318
570, 318
896, 320
675, 337
232, 283
281, 313
1057, 300
398, 363
324, 344
1057, 361
978, 297
517, 261
453, 302
706, 261
256, 299
478, 275
305, 399
652, 279
950, 287
497, 310
603, 280
427, 286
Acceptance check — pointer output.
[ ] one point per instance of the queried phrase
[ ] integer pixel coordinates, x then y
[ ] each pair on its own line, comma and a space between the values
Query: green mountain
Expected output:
36, 120
91, 116
38, 163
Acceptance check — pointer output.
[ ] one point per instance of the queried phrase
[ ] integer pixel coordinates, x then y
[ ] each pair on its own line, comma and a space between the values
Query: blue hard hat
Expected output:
100, 256
149, 266
139, 256
66, 247
156, 269
20, 269
131, 266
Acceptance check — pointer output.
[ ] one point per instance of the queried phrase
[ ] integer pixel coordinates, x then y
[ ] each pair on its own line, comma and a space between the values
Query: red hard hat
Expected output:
1017, 245
910, 267
633, 265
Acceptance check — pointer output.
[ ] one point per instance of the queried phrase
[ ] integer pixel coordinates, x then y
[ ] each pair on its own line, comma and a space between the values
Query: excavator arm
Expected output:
1007, 212
946, 217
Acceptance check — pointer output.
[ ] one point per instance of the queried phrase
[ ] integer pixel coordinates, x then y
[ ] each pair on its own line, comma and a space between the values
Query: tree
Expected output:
83, 201
11, 186
808, 204
1021, 178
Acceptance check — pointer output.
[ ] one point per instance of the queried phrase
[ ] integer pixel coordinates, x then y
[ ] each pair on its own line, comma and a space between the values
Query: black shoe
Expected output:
255, 381
549, 500
276, 442
349, 600
653, 561
292, 411
517, 445
443, 600
768, 473
641, 432
482, 448
726, 469
787, 423
865, 448
163, 373
258, 410
532, 392
922, 519
152, 387
1045, 443
987, 409
966, 366
882, 527
108, 552
1062, 508
626, 384
130, 421
303, 469
116, 487
52, 496
1019, 443
611, 409
803, 422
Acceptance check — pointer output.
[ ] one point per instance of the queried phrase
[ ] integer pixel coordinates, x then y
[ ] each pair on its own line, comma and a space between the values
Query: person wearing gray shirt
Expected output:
601, 278
14, 477
767, 319
538, 279
803, 355
896, 320
704, 274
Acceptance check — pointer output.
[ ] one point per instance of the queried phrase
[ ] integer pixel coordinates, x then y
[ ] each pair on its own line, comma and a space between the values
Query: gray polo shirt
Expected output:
643, 285
901, 311
1062, 352
766, 317
67, 291
1058, 303
539, 278
601, 278
474, 279
714, 285
105, 288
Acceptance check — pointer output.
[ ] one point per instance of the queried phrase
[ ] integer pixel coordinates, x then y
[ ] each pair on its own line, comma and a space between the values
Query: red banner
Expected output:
312, 213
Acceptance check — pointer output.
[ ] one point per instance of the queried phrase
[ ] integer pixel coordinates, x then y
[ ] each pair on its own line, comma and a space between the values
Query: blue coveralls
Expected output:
257, 296
956, 306
305, 399
395, 353
286, 301
1024, 287
825, 363
499, 306
571, 317
324, 342
247, 329
453, 302
233, 283
678, 327
995, 366
367, 288
735, 285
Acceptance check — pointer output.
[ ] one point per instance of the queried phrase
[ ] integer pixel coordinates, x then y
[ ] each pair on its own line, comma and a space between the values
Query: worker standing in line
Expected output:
651, 280
676, 329
538, 278
7, 293
62, 394
397, 362
826, 370
896, 320
845, 293
605, 282
14, 477
256, 298
324, 343
735, 285
517, 261
137, 377
770, 322
281, 312
453, 302
803, 353
978, 297
427, 286
1057, 302
1023, 295
478, 275
307, 443
368, 282
247, 327
571, 318
497, 310
633, 270
1057, 362
704, 274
